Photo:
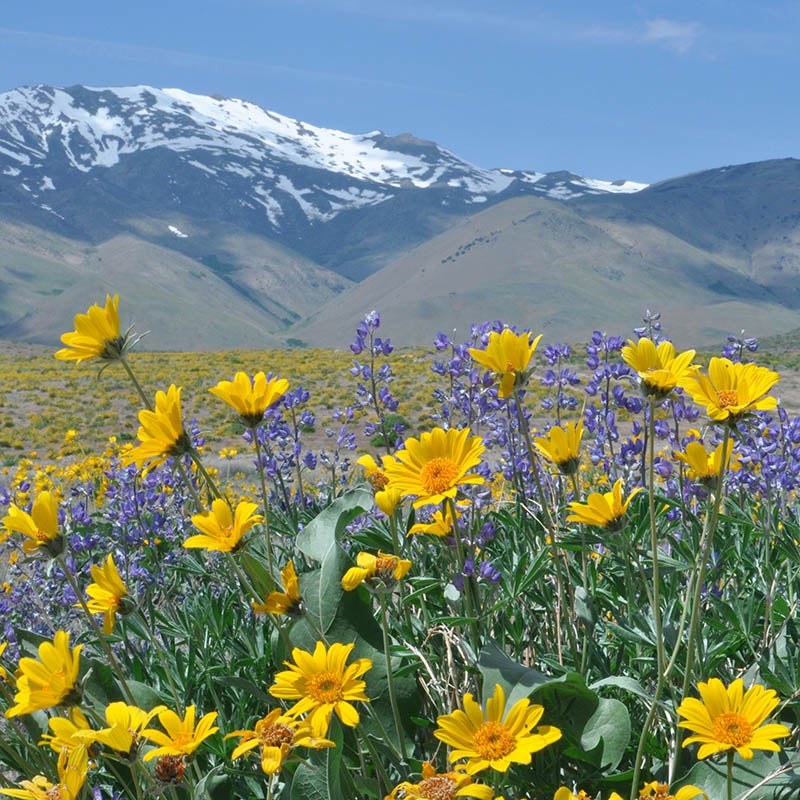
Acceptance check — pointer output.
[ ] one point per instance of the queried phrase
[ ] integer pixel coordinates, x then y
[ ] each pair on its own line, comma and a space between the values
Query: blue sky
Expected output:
638, 90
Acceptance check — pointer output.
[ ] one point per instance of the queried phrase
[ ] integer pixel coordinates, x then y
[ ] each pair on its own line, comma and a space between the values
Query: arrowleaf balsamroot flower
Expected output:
603, 509
732, 390
441, 786
289, 601
251, 397
493, 738
660, 370
705, 466
567, 794
107, 594
322, 684
182, 738
96, 335
434, 466
161, 432
50, 681
660, 791
561, 446
72, 768
68, 732
387, 568
125, 726
276, 734
507, 355
386, 497
40, 526
222, 530
731, 719
440, 525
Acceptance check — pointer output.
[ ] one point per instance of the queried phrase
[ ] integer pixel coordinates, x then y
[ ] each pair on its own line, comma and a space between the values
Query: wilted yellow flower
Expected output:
434, 466
182, 738
387, 568
161, 431
705, 466
441, 786
51, 681
603, 509
125, 726
659, 368
660, 791
222, 530
72, 768
96, 335
441, 524
492, 738
561, 446
731, 719
507, 354
289, 601
107, 593
322, 684
732, 390
40, 526
276, 734
386, 498
251, 397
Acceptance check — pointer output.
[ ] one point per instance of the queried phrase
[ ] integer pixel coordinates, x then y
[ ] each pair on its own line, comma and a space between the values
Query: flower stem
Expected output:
389, 675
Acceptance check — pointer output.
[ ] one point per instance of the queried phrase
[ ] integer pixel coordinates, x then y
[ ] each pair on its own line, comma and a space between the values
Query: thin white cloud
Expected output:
677, 36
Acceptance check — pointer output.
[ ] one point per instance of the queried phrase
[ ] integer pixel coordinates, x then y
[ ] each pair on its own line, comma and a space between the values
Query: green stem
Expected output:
136, 384
162, 659
730, 774
264, 502
389, 674
470, 601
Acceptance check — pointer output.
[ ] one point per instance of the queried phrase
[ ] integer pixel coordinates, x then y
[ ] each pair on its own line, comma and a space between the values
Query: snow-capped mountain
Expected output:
254, 163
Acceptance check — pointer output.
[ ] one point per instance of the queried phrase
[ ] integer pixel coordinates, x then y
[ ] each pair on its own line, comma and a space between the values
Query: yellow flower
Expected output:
182, 738
566, 794
72, 768
289, 601
125, 726
68, 732
731, 390
441, 525
96, 335
731, 719
561, 446
386, 568
440, 786
493, 738
276, 734
322, 684
659, 368
3, 673
433, 467
660, 791
507, 354
40, 526
221, 530
386, 498
251, 397
161, 431
51, 681
705, 466
603, 509
106, 593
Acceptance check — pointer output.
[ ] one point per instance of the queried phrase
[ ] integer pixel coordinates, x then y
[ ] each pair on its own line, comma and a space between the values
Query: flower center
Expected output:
656, 792
437, 787
183, 738
733, 728
438, 475
727, 398
275, 735
57, 792
385, 566
324, 687
493, 741
170, 769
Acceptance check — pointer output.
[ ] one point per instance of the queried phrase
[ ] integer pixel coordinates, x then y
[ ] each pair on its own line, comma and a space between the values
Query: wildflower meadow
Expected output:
520, 570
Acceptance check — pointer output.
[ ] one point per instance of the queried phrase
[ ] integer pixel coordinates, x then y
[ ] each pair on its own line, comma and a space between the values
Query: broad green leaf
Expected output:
324, 531
517, 680
318, 776
608, 729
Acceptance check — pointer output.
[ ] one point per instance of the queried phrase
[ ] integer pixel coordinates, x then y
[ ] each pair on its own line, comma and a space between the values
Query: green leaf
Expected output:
517, 680
626, 683
324, 531
608, 732
145, 696
711, 777
318, 776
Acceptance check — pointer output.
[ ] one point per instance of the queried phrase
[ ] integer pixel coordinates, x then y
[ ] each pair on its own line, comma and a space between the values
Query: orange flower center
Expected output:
57, 792
733, 729
379, 480
275, 735
438, 475
324, 687
660, 792
437, 787
170, 769
727, 398
493, 741
183, 738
